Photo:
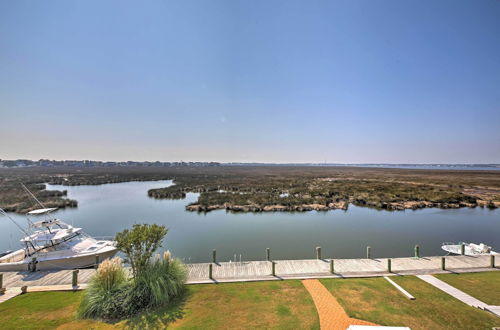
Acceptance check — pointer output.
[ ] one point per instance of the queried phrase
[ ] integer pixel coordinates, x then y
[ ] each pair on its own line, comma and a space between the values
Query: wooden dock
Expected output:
284, 269
319, 268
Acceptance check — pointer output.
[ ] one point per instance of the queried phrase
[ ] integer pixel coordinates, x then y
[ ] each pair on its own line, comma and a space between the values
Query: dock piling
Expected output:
2, 289
74, 280
268, 254
273, 270
368, 252
443, 263
492, 261
332, 269
389, 268
318, 252
97, 261
417, 251
210, 271
462, 248
214, 256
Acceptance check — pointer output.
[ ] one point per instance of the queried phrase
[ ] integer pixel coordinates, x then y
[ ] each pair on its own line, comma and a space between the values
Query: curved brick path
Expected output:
331, 314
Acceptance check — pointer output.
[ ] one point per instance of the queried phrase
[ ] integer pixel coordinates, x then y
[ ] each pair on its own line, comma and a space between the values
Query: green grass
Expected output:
376, 300
483, 286
41, 310
271, 305
278, 305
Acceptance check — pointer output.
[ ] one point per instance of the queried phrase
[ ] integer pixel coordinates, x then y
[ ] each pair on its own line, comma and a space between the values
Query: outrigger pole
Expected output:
33, 196
17, 225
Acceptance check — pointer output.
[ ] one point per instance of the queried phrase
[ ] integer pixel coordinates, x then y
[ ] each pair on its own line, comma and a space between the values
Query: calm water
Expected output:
103, 210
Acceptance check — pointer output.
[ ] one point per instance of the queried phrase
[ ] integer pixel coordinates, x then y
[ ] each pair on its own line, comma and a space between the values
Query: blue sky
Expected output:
266, 81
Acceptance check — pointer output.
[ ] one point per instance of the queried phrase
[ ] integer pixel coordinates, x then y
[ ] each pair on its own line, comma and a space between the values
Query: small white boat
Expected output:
52, 244
470, 249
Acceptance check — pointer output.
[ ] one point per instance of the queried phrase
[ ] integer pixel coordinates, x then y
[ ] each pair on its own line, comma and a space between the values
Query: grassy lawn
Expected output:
43, 310
376, 300
483, 286
279, 305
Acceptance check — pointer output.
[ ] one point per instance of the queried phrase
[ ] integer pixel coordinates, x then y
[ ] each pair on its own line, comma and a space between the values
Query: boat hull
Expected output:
72, 262
456, 249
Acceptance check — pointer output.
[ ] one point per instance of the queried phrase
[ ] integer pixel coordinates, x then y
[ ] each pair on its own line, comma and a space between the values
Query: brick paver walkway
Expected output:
331, 315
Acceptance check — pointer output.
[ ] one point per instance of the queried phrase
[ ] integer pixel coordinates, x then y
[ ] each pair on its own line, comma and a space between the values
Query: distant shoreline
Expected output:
45, 163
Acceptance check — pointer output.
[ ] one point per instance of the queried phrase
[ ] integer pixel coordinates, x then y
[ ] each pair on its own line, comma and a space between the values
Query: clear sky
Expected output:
266, 81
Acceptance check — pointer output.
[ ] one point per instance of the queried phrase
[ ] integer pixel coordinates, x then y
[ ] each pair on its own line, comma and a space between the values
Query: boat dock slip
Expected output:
284, 269
319, 268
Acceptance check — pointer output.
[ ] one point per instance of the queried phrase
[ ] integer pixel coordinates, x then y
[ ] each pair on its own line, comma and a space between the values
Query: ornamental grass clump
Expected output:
106, 294
157, 284
155, 281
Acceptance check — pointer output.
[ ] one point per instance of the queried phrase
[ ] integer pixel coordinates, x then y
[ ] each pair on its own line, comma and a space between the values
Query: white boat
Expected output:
51, 244
470, 249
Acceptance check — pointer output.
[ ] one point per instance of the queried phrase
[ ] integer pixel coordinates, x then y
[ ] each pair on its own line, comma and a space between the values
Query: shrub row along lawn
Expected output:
376, 300
280, 305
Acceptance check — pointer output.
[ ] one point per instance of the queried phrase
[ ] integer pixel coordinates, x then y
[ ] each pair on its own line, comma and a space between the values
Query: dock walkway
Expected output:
284, 269
320, 268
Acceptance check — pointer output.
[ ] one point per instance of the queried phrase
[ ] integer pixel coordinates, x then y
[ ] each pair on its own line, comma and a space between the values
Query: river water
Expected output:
106, 209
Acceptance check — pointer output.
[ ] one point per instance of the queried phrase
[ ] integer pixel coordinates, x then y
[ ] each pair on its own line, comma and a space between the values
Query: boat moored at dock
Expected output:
469, 249
52, 244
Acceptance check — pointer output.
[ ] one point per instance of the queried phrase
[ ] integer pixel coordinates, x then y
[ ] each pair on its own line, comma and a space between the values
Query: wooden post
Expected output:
97, 261
368, 252
318, 252
492, 261
389, 268
210, 271
332, 269
214, 256
74, 280
273, 270
443, 263
417, 251
1, 283
268, 254
462, 248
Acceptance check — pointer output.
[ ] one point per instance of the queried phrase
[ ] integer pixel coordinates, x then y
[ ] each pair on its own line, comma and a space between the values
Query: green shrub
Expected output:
111, 295
139, 244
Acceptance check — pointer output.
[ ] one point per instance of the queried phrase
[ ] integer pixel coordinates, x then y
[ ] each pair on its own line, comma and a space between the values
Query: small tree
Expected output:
139, 244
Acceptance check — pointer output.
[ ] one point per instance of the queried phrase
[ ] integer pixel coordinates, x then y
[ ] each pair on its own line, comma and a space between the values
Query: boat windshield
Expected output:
69, 243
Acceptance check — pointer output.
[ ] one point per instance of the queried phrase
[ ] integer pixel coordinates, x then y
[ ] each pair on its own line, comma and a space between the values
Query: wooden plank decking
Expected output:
313, 268
285, 269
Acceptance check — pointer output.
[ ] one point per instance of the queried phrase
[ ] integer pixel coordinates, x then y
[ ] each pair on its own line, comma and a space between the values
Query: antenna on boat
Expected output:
33, 196
17, 225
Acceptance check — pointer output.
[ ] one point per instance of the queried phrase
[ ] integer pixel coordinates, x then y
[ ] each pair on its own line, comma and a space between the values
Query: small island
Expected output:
271, 188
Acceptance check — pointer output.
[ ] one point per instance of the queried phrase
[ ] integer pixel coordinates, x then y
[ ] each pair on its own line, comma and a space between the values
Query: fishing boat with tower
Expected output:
50, 244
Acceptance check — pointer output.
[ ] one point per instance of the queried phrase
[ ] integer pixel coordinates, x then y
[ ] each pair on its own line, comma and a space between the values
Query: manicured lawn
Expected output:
279, 305
376, 300
43, 310
483, 286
